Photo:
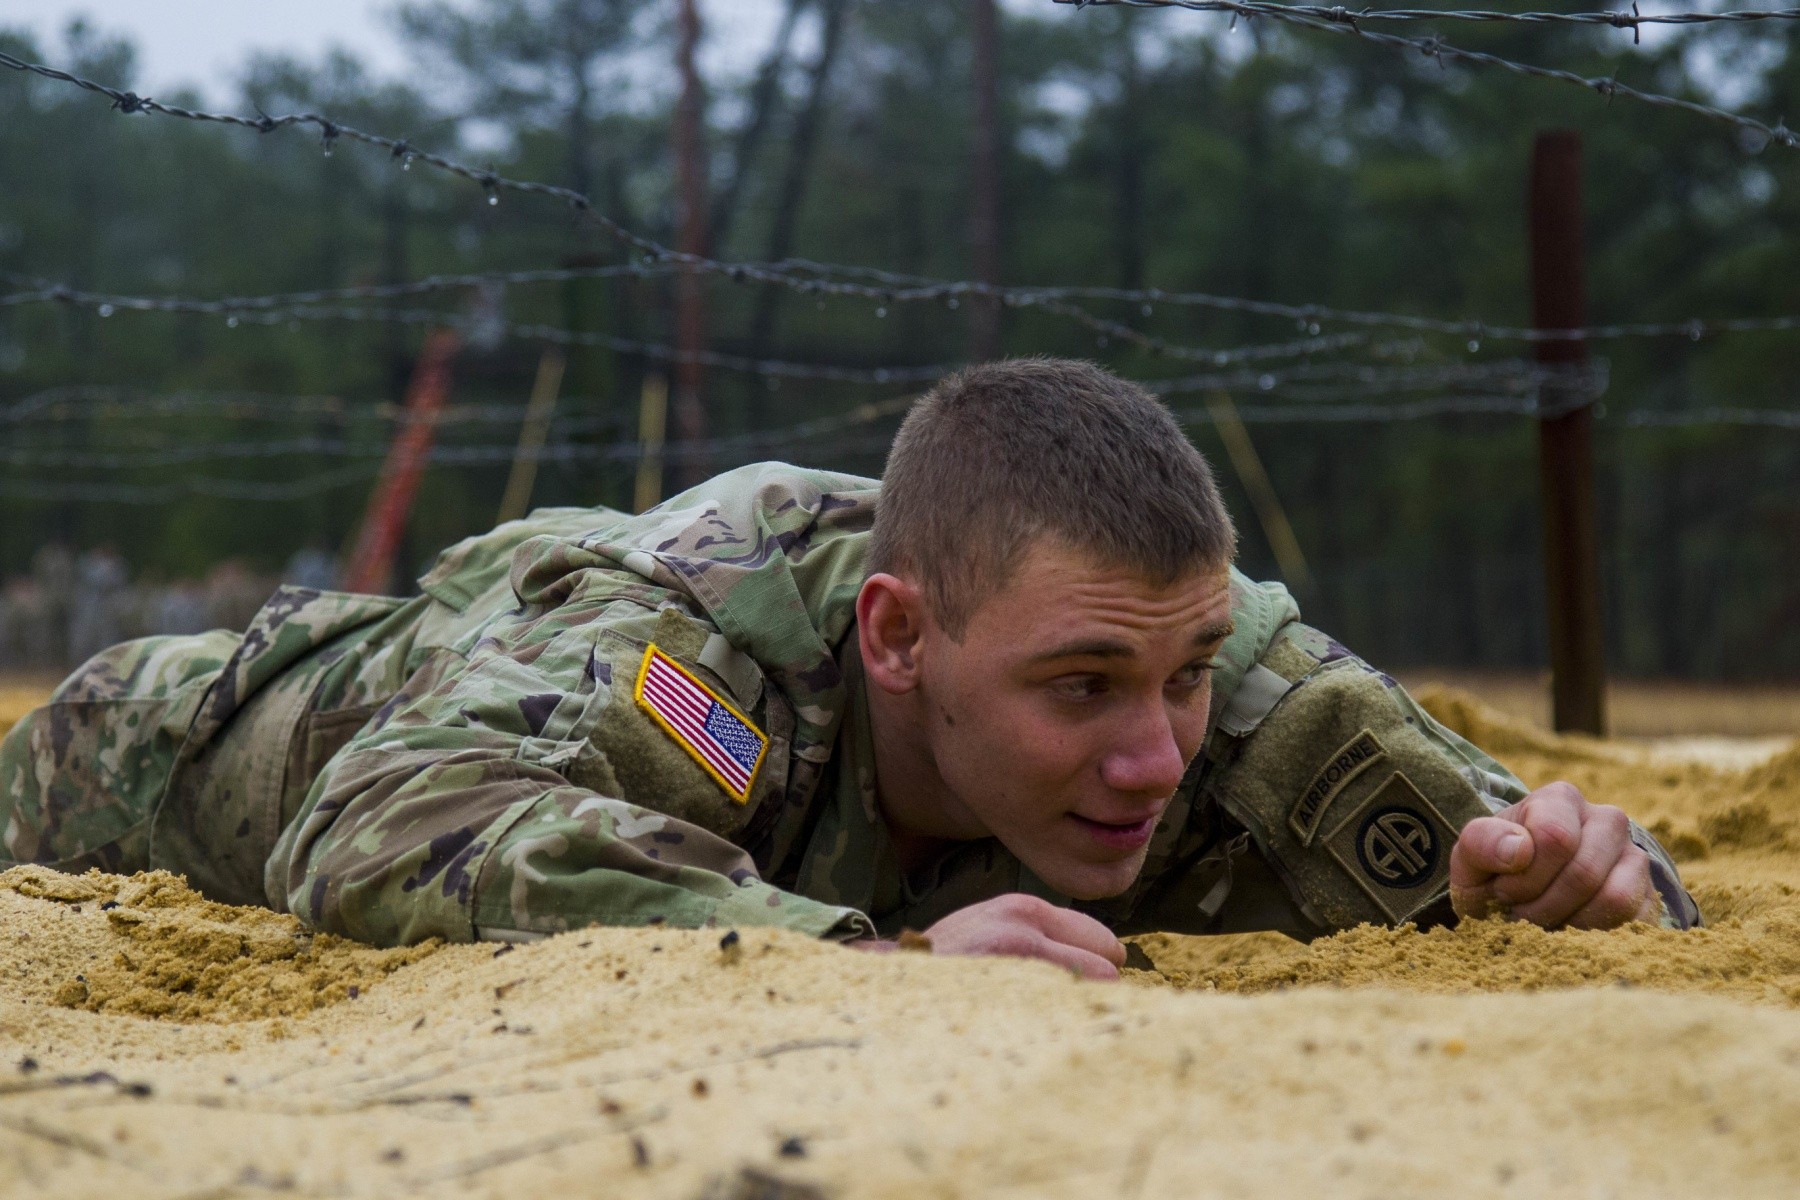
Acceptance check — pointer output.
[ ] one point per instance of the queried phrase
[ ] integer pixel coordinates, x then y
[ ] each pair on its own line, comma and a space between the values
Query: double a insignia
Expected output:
1396, 845
719, 737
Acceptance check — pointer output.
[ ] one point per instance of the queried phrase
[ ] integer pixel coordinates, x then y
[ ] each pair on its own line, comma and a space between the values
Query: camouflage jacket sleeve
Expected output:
483, 800
1500, 788
1497, 786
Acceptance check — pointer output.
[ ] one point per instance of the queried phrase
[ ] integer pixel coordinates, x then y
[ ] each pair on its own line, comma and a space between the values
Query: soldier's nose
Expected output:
1148, 762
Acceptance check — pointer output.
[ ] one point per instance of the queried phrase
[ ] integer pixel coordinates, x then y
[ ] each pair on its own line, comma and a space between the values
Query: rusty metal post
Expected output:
1566, 439
692, 238
371, 566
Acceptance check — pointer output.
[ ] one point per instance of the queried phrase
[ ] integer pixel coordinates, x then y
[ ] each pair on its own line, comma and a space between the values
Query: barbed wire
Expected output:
903, 289
418, 287
106, 305
1616, 18
829, 279
1310, 381
77, 401
1321, 381
1772, 418
1344, 22
892, 288
626, 452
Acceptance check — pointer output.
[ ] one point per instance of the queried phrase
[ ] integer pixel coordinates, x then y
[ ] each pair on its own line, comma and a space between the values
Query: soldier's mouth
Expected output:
1117, 835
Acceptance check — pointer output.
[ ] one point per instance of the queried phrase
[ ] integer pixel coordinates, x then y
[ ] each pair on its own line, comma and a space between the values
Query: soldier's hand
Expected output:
1555, 860
1024, 926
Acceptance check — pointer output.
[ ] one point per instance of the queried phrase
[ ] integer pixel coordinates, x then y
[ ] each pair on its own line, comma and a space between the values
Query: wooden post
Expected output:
1566, 440
653, 416
1270, 513
691, 238
533, 431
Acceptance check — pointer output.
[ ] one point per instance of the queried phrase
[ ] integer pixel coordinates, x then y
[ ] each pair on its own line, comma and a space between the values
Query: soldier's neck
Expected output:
918, 808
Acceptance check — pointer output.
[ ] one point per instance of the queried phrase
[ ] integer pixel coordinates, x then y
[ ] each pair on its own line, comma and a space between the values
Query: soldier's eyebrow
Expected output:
1208, 635
1215, 633
1088, 648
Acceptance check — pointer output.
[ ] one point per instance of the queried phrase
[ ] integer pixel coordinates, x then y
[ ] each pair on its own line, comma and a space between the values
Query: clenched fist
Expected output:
1555, 860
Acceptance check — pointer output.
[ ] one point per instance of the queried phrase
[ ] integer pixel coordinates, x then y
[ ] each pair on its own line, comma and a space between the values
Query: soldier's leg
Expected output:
80, 777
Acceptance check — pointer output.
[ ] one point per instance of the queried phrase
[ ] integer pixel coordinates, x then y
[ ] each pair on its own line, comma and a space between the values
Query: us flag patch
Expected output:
721, 739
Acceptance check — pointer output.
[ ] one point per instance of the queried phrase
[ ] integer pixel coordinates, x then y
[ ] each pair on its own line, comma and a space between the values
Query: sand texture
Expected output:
155, 1044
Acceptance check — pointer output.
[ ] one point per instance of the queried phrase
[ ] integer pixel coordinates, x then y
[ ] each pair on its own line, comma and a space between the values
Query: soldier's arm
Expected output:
477, 805
1353, 793
1500, 788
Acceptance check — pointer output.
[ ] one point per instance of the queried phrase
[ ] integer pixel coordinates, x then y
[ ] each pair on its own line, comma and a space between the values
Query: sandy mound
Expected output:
154, 1044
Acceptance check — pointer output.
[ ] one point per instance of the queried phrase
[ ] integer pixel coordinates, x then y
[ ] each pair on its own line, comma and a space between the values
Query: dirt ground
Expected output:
153, 1044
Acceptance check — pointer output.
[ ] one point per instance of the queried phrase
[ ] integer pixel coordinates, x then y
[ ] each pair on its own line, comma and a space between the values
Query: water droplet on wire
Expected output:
231, 322
105, 310
1146, 310
1474, 345
1313, 328
1266, 382
882, 311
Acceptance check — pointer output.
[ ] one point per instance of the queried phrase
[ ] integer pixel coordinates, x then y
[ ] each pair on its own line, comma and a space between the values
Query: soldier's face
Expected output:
1065, 718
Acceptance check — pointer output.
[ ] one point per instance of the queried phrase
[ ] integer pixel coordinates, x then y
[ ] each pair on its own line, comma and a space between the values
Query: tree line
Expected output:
1123, 148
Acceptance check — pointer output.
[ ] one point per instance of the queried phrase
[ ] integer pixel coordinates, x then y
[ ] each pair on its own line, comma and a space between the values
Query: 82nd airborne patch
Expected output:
720, 738
1349, 762
1396, 845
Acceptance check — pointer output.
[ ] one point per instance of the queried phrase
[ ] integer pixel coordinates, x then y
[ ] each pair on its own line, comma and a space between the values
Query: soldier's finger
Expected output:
1081, 931
1605, 838
1627, 895
1085, 962
1475, 902
1553, 816
1487, 847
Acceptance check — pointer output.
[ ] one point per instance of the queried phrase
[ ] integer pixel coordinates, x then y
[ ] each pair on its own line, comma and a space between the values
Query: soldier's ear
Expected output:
890, 623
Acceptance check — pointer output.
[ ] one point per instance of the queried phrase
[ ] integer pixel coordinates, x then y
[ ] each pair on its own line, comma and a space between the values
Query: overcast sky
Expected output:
204, 43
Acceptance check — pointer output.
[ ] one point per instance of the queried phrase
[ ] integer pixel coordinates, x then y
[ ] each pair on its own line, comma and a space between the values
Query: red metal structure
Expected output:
371, 566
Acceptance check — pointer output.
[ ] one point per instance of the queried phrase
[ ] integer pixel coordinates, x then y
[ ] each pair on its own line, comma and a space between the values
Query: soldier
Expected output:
1023, 703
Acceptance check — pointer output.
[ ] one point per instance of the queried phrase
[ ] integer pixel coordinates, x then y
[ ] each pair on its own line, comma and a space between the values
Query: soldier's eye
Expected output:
1190, 676
1078, 687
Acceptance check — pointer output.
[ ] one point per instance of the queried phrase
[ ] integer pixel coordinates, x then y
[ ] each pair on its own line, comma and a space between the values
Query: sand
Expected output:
154, 1044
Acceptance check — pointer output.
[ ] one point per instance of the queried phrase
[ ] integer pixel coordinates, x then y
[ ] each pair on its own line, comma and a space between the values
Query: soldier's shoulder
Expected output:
778, 487
472, 566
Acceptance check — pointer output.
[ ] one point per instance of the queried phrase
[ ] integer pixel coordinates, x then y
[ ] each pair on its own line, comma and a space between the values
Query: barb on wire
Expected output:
1346, 23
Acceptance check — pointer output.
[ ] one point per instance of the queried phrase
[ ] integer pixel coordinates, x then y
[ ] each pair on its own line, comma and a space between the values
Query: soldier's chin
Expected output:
1085, 880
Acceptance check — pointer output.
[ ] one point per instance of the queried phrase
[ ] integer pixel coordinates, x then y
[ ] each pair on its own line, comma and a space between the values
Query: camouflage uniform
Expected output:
478, 761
